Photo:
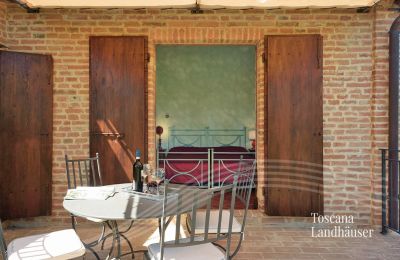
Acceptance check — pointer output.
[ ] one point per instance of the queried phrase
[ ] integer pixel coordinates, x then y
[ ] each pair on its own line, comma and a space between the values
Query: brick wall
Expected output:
379, 102
354, 84
3, 9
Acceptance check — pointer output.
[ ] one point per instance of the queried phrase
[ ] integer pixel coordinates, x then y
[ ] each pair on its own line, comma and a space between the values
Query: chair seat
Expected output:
169, 234
64, 244
213, 224
197, 252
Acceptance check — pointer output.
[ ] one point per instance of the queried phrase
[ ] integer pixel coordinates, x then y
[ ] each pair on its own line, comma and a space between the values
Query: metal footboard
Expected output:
209, 169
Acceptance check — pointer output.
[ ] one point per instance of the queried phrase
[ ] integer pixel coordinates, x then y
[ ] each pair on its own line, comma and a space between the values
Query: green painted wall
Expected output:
200, 86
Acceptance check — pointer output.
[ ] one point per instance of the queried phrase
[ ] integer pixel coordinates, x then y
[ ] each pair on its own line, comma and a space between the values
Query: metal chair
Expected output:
63, 244
245, 185
83, 172
86, 172
190, 180
196, 246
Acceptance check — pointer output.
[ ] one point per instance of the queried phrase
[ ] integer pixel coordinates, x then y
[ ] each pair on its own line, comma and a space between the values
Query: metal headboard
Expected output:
207, 137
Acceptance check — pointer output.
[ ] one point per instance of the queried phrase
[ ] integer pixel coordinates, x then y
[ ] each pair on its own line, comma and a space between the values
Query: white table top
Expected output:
125, 206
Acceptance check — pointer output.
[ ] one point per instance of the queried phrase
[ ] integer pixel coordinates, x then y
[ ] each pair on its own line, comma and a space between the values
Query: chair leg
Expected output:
129, 244
187, 223
101, 237
159, 227
238, 246
218, 245
93, 252
146, 256
236, 249
96, 242
166, 225
73, 222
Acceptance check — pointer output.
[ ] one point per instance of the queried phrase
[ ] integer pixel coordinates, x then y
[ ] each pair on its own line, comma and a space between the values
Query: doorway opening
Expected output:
205, 110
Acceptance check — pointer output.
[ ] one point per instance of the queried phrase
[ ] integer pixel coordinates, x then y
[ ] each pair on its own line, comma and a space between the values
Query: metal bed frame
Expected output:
213, 175
207, 137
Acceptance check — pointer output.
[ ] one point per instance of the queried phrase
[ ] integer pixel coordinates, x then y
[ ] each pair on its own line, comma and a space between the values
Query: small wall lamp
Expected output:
252, 138
159, 131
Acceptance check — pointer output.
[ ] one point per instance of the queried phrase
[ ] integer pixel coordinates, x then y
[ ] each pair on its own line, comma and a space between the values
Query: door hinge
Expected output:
147, 58
264, 58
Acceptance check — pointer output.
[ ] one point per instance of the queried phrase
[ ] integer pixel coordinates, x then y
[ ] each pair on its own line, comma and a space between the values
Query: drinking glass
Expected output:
159, 176
146, 170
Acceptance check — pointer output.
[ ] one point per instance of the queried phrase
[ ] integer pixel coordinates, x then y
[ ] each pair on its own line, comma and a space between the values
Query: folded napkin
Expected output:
90, 193
150, 196
97, 188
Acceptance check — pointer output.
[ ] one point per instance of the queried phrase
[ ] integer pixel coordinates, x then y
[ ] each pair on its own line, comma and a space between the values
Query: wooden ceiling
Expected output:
202, 3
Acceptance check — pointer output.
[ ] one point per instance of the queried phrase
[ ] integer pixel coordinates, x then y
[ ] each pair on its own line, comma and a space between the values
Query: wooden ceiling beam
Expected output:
26, 6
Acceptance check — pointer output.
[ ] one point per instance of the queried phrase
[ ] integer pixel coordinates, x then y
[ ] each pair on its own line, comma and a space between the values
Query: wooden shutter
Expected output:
294, 125
26, 120
118, 104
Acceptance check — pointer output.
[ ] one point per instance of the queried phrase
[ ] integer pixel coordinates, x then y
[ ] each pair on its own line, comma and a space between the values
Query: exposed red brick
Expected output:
355, 80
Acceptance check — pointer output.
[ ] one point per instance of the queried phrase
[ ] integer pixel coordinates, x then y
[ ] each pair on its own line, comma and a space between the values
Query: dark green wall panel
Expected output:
200, 86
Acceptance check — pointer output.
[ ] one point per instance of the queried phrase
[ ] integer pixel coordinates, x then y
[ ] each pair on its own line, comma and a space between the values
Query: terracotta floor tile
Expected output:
265, 238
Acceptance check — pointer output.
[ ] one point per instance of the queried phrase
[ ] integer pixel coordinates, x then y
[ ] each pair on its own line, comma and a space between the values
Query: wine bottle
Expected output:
137, 172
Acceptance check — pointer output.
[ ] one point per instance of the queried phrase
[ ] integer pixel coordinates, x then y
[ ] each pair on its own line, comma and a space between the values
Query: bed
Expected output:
209, 155
206, 157
207, 166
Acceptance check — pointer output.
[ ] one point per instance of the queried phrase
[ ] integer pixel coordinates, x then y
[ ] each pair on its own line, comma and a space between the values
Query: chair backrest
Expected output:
245, 185
3, 245
175, 199
246, 181
83, 172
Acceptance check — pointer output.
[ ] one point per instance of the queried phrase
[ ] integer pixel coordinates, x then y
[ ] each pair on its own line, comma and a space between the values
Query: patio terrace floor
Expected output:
265, 238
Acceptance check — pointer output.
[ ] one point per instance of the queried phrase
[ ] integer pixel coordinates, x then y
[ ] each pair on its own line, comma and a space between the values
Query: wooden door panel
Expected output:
26, 134
294, 125
118, 71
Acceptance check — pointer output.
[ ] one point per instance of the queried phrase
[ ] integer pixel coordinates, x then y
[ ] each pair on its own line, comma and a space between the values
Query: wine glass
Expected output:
159, 176
146, 172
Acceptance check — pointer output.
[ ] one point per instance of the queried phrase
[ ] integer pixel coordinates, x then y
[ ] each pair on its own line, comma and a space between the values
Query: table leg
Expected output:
112, 247
116, 240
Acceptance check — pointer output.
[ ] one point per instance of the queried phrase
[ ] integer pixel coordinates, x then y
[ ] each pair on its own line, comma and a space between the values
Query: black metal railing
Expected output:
390, 190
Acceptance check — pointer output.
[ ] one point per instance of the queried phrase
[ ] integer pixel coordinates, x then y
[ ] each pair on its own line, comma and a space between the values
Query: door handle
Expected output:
109, 134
